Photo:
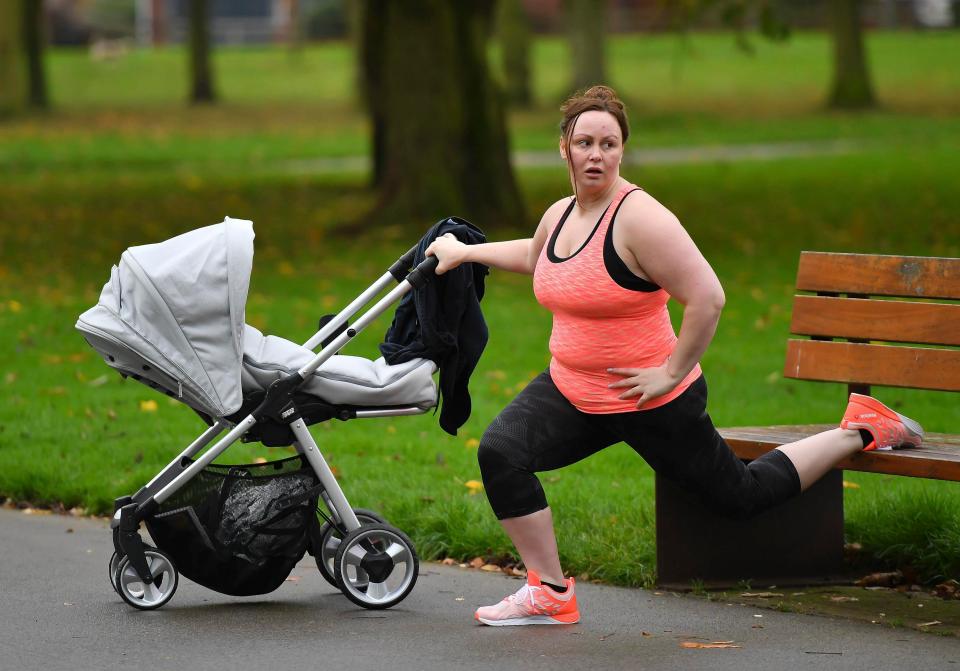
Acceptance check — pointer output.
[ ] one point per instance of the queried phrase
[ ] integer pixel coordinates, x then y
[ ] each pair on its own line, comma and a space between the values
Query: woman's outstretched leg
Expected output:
865, 417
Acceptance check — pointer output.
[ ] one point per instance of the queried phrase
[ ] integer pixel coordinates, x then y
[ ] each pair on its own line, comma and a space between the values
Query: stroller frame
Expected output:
279, 405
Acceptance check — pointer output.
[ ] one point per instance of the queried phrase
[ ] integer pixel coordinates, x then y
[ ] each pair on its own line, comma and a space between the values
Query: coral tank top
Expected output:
599, 324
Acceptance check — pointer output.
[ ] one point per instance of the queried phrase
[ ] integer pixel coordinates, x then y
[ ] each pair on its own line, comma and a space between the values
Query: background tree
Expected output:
439, 133
852, 87
201, 76
33, 37
13, 81
586, 22
513, 30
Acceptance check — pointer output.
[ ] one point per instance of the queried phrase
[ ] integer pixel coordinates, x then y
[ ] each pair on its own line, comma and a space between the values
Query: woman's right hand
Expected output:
449, 251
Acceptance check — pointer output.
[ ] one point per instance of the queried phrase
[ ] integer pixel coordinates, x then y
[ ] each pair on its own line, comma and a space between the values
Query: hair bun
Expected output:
601, 92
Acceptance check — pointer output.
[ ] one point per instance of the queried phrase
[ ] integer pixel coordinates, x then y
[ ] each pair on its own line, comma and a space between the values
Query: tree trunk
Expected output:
33, 44
371, 31
201, 77
851, 87
586, 26
440, 140
13, 82
513, 27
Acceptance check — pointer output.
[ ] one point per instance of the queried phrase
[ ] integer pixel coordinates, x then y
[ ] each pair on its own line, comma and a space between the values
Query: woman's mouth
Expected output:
594, 171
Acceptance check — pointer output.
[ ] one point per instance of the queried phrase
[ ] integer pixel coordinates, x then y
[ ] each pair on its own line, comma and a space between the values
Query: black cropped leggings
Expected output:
540, 430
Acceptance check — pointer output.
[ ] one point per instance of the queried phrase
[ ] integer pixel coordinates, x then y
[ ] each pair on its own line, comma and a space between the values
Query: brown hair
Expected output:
595, 98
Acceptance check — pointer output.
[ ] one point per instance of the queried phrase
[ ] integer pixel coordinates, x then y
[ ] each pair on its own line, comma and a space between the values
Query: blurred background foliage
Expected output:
344, 138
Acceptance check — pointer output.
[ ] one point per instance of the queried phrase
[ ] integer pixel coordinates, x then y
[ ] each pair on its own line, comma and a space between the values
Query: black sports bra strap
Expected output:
616, 267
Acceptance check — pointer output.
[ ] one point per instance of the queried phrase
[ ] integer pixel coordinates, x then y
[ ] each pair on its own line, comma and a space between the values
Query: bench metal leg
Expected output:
797, 543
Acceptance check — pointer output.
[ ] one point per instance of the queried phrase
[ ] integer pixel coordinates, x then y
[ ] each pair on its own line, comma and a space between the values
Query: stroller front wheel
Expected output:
142, 596
376, 566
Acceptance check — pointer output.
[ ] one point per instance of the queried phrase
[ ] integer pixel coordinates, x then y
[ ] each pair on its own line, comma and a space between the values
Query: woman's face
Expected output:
595, 150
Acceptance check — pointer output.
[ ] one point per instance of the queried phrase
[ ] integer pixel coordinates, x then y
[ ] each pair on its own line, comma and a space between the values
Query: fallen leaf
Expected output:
391, 429
293, 578
477, 562
489, 567
850, 485
15, 306
449, 562
473, 442
261, 460
148, 406
843, 599
646, 634
760, 595
930, 624
10, 378
715, 644
474, 486
890, 579
458, 598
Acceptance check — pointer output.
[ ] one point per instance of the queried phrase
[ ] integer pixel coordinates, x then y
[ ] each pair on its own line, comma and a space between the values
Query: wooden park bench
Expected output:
859, 314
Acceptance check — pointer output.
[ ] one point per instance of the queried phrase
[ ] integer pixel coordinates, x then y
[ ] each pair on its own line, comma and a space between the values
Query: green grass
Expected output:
117, 165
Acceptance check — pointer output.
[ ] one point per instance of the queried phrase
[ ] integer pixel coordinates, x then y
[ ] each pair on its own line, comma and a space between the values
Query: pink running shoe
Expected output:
534, 603
889, 428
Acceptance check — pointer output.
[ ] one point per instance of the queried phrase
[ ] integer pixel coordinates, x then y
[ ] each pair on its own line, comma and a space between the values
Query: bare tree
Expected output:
586, 28
33, 37
13, 82
851, 87
201, 75
513, 30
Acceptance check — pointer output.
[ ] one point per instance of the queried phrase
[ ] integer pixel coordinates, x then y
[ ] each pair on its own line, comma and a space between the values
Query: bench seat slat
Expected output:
938, 458
895, 321
913, 367
877, 275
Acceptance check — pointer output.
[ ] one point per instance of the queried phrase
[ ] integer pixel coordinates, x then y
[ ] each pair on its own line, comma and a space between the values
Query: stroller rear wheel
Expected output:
376, 566
112, 575
135, 592
329, 537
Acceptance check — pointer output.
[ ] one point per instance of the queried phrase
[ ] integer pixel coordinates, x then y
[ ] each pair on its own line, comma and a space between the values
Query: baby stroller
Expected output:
172, 317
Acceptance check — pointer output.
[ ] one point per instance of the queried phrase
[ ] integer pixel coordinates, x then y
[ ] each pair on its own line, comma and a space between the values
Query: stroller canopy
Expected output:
180, 304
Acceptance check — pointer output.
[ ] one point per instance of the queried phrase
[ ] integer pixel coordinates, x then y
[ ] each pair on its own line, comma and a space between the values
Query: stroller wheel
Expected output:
376, 566
112, 575
147, 597
328, 539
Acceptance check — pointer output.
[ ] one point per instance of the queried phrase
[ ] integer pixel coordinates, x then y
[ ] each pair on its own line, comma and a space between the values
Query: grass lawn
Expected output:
123, 163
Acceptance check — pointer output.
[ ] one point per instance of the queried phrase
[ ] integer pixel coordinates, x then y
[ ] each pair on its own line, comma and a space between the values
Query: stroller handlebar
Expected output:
424, 272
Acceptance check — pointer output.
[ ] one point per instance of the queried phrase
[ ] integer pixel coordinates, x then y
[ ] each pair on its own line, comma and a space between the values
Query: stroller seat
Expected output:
342, 380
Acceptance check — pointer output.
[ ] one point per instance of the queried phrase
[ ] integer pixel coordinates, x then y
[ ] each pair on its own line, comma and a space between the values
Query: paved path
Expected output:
58, 612
768, 151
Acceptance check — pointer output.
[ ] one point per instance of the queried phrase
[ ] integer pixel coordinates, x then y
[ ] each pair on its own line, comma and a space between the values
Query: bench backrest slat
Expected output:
877, 275
894, 321
919, 304
913, 367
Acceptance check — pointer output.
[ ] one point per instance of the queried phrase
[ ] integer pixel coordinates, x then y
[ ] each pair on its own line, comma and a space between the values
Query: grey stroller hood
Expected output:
179, 304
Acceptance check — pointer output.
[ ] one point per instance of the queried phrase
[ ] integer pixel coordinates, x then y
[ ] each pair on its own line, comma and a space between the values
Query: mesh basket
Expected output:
239, 530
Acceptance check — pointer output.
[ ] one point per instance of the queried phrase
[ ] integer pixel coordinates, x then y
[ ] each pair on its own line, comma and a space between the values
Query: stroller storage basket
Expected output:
239, 529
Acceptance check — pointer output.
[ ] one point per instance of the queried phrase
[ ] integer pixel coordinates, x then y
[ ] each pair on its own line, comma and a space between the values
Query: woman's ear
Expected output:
563, 150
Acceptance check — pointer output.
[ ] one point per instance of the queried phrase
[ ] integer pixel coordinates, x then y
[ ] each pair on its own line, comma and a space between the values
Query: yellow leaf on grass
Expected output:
14, 306
850, 485
473, 442
474, 486
148, 406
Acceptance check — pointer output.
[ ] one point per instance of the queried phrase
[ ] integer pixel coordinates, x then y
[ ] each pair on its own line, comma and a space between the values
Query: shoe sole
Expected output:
521, 621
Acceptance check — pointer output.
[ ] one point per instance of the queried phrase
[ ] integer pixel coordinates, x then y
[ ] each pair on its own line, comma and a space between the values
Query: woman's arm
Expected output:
667, 255
517, 256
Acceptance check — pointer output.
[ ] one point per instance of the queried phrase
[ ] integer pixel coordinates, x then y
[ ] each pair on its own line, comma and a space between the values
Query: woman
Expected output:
605, 262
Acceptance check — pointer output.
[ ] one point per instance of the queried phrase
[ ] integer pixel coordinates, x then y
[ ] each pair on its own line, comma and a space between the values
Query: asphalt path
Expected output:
57, 611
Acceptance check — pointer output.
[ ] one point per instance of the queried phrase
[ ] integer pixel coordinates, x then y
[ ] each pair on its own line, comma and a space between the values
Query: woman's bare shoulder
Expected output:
640, 211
